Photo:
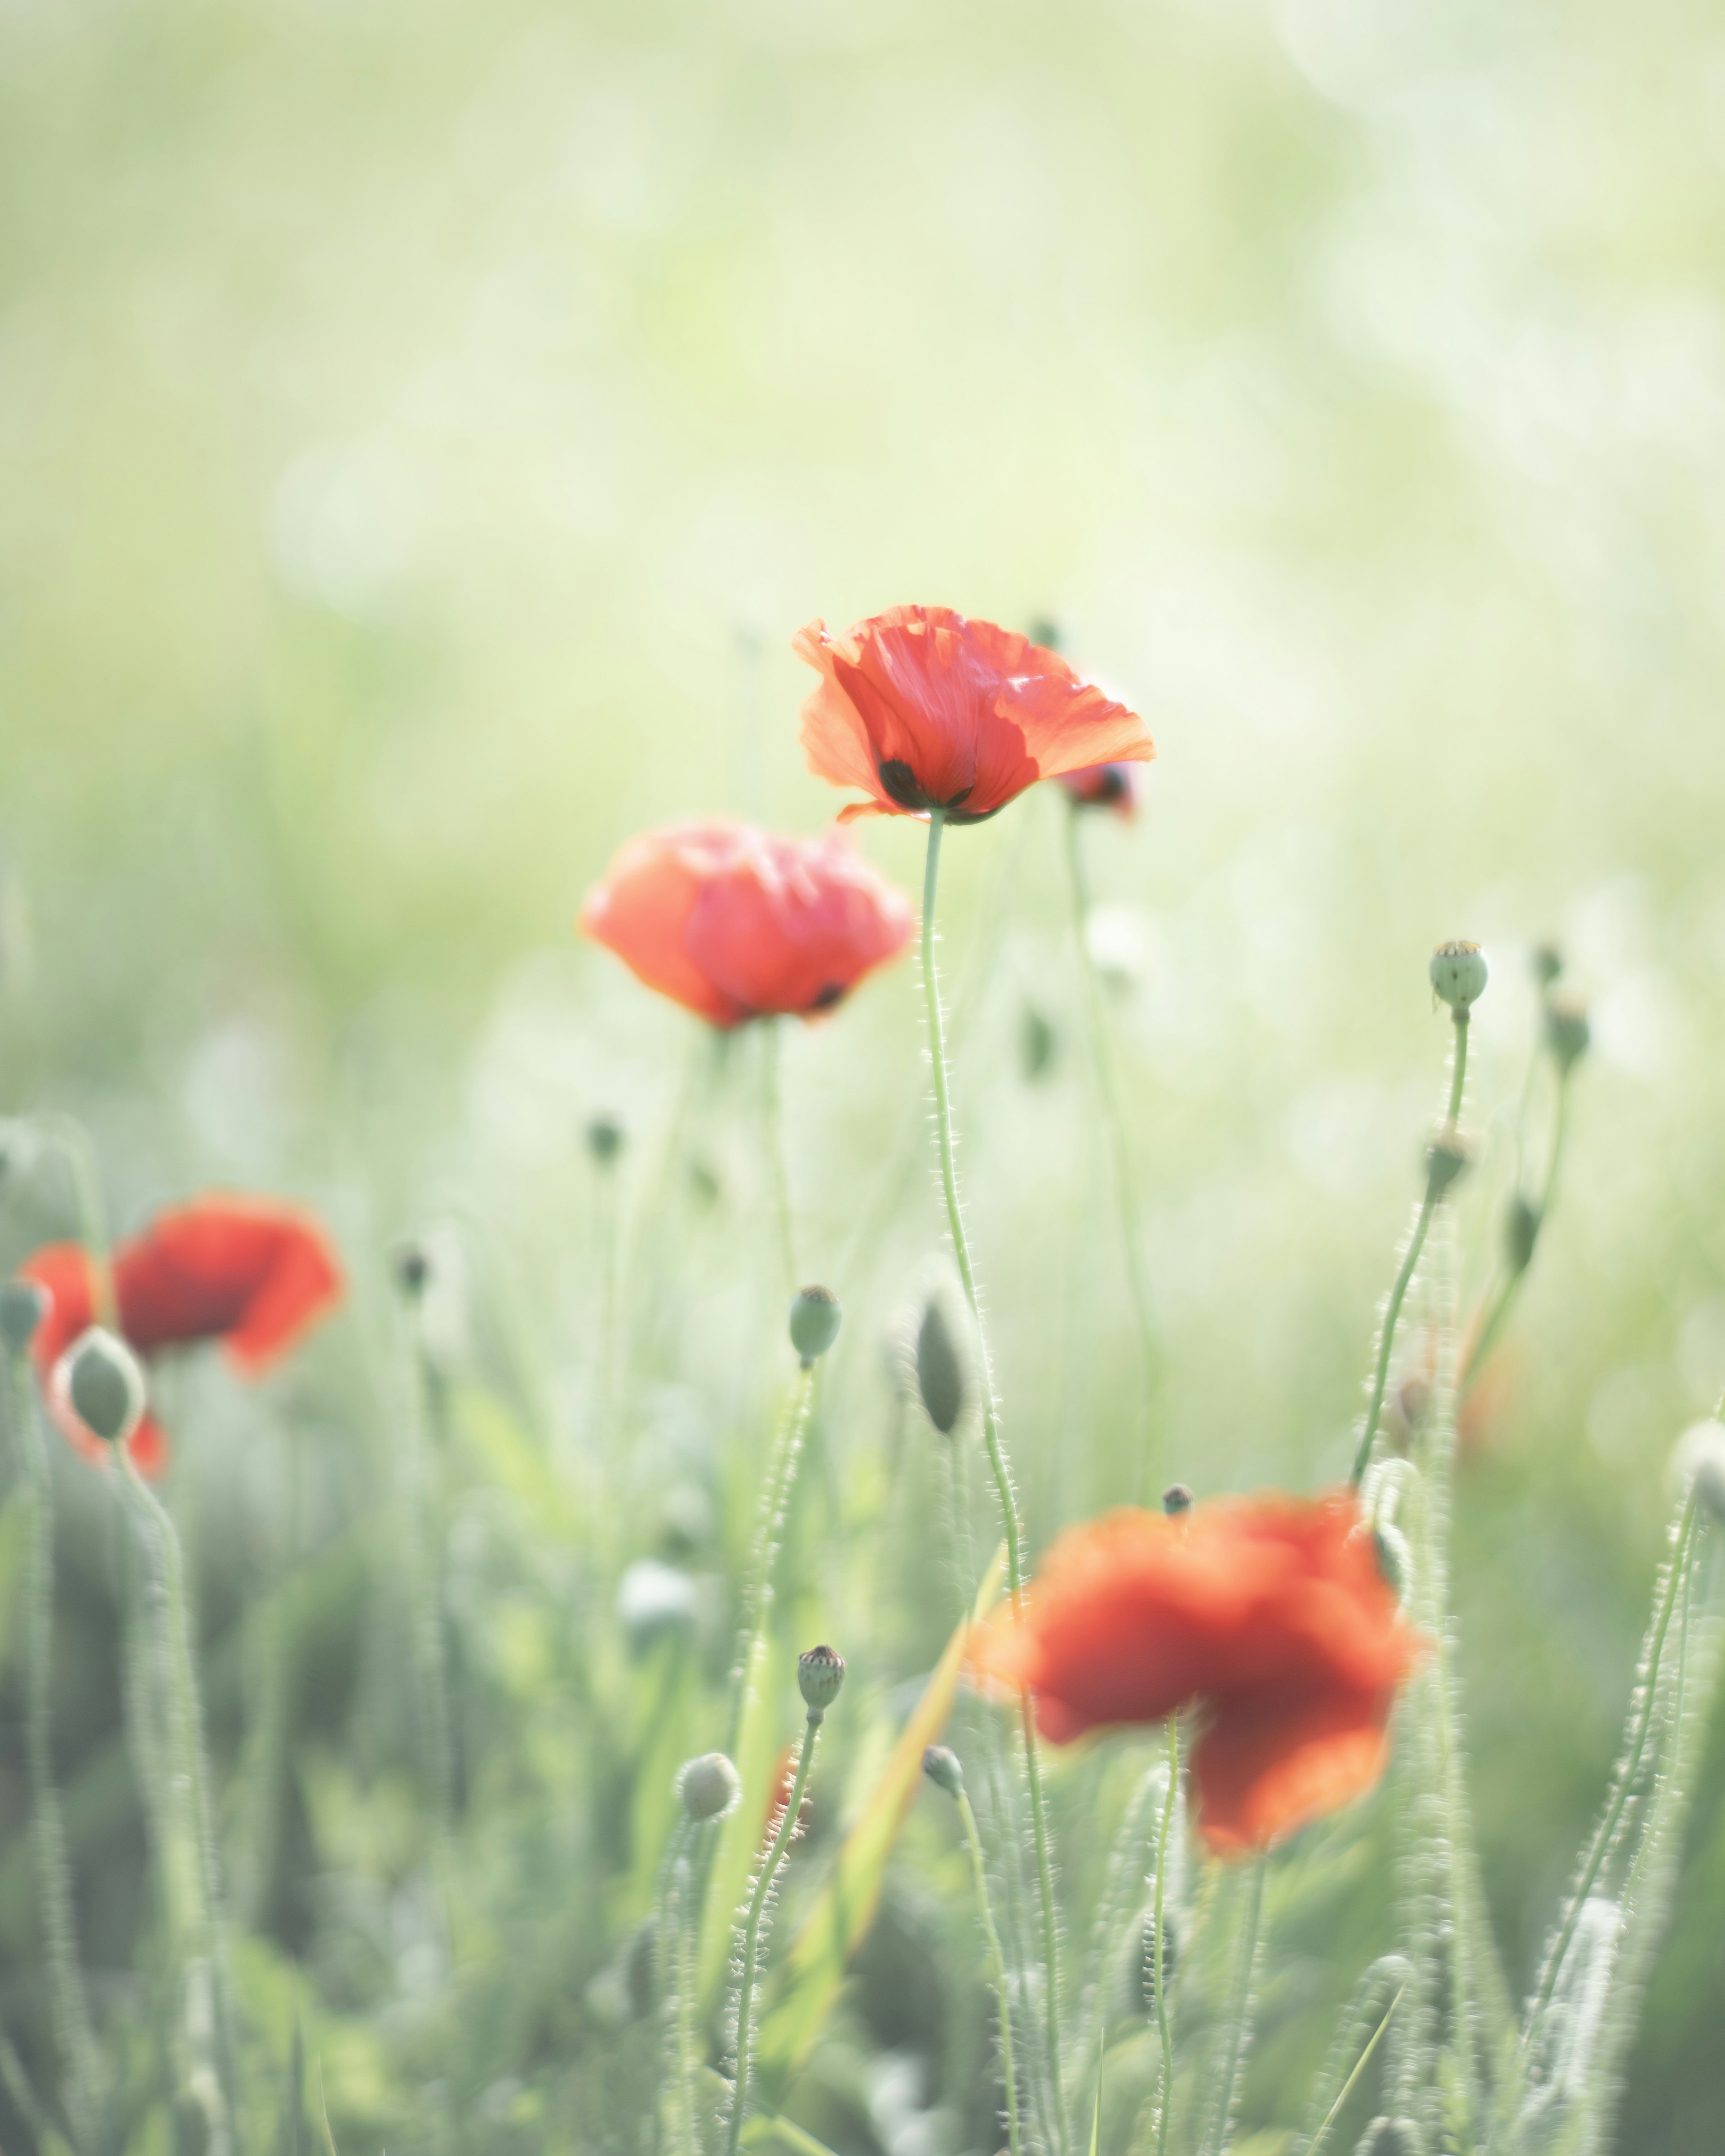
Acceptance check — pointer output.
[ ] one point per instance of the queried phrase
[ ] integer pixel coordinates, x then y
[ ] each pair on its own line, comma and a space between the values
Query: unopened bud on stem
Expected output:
940, 1374
943, 1769
1176, 1499
98, 1379
709, 1786
1520, 1232
605, 1139
1567, 1032
815, 1319
413, 1271
1446, 1159
23, 1307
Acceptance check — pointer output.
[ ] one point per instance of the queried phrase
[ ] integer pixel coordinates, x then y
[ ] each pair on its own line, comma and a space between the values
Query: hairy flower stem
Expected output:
775, 1499
752, 1929
188, 1854
997, 1451
1158, 1963
677, 1915
428, 1437
1416, 1243
1484, 1338
772, 1134
68, 2006
1125, 1182
1605, 1834
997, 1964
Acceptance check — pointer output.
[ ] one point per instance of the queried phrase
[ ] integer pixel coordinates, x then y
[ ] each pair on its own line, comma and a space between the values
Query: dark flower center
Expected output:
903, 786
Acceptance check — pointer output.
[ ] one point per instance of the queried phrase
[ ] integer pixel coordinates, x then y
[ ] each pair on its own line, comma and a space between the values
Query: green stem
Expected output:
1486, 1338
72, 1141
189, 1865
997, 1451
610, 1210
775, 1499
1126, 1191
996, 1964
752, 1929
1228, 2092
1398, 1294
1159, 1962
68, 2006
426, 1468
772, 1119
1605, 1833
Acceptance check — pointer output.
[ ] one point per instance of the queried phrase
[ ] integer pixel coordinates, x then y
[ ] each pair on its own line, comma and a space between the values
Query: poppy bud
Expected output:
1567, 1032
1445, 1159
1520, 1232
1037, 1042
98, 1379
1176, 1499
940, 1374
1701, 1464
652, 1599
1149, 1977
1548, 964
413, 1271
820, 1674
943, 1769
605, 1139
22, 1305
1390, 2136
709, 1786
1458, 974
815, 1319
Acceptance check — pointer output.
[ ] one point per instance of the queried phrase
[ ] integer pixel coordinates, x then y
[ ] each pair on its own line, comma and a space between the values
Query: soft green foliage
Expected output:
420, 427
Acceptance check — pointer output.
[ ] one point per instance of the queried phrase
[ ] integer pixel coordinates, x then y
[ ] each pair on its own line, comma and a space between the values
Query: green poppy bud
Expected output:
1520, 1232
815, 1319
99, 1378
1176, 1499
1038, 1042
1567, 1032
940, 1374
605, 1139
820, 1673
1458, 974
23, 1307
709, 1786
1548, 964
413, 1271
1446, 1158
943, 1769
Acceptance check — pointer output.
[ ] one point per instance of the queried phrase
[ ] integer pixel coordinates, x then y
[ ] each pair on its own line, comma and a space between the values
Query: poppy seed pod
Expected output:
943, 1768
1520, 1232
709, 1786
1458, 974
1390, 2136
22, 1305
99, 1378
940, 1374
815, 1318
1446, 1159
413, 1271
820, 1673
605, 1139
1176, 1499
1567, 1032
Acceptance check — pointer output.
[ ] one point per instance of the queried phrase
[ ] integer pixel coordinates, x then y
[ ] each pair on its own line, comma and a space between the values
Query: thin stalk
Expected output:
772, 1134
775, 1499
752, 1930
997, 1451
1428, 1206
426, 1467
673, 1929
1126, 1189
68, 1136
1228, 2091
1159, 1963
1348, 2086
1509, 1291
1606, 1832
610, 1210
996, 1963
68, 2005
191, 1867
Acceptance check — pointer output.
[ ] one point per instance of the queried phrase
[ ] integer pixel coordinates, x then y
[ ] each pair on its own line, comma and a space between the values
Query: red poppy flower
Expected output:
735, 923
253, 1274
925, 710
1271, 1614
1105, 786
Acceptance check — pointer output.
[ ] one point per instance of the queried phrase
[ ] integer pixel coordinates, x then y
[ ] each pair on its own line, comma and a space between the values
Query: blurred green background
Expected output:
421, 429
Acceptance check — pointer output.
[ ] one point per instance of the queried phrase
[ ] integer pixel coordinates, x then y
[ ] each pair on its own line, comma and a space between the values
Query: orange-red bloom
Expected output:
735, 923
1271, 1614
253, 1274
1105, 786
924, 710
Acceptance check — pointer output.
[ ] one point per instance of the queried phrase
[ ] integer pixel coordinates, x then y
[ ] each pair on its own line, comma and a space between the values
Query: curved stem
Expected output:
996, 1448
997, 1961
752, 1930
1605, 1833
1159, 1965
68, 2005
1416, 1243
191, 1867
773, 1118
1126, 1191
